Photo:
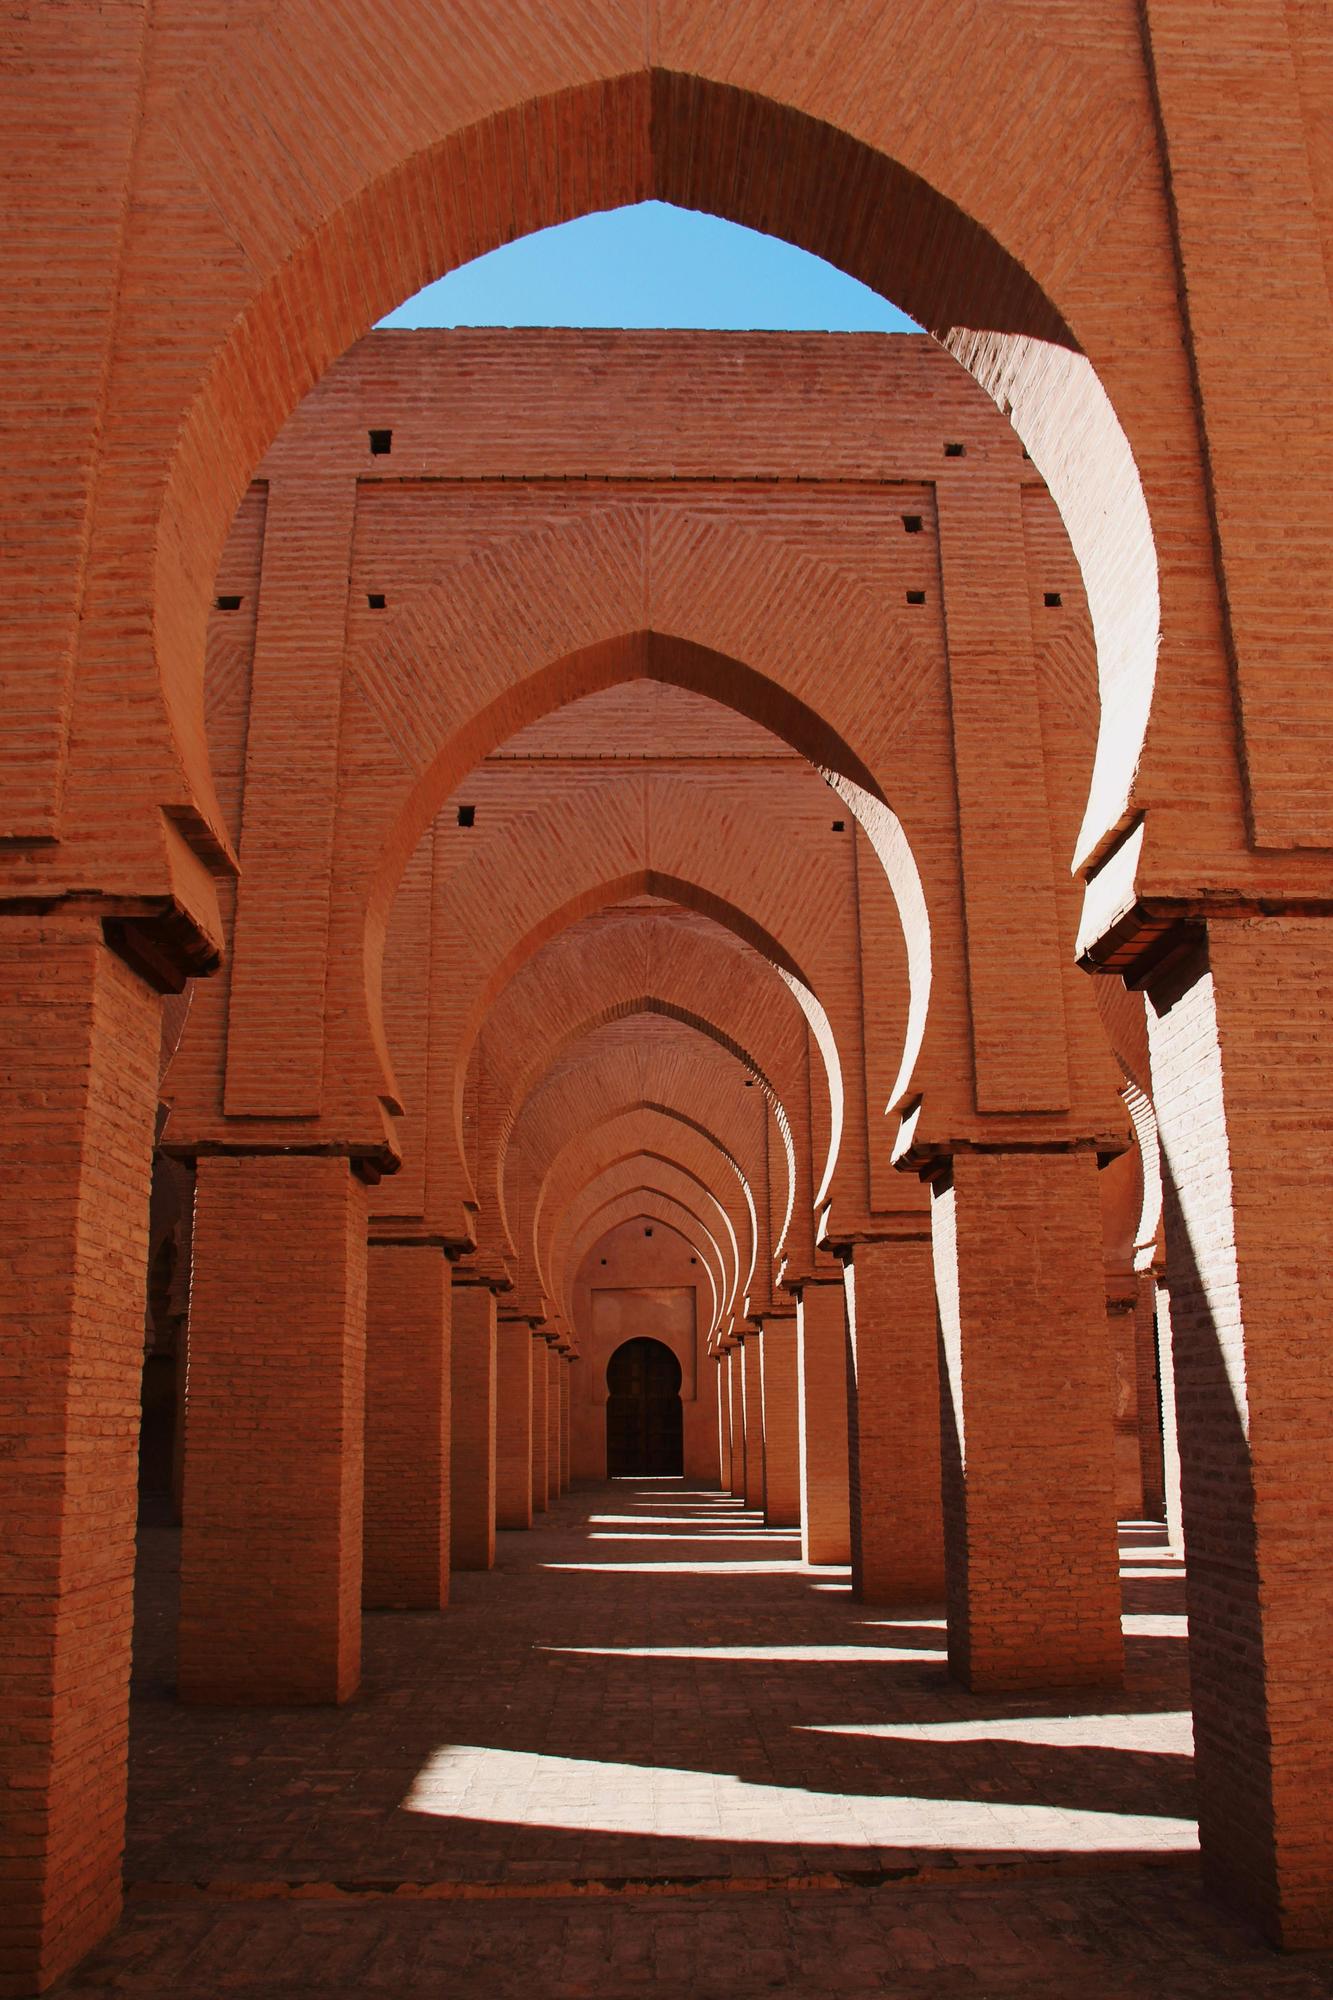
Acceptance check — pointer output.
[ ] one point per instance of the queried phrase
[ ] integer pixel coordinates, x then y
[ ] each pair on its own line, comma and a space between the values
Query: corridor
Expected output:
651, 1753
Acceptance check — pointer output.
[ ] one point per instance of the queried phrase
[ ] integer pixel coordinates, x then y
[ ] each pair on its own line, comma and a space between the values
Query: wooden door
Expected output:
643, 1412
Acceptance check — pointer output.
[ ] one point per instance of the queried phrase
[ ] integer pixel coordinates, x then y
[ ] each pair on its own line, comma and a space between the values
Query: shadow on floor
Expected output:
650, 1705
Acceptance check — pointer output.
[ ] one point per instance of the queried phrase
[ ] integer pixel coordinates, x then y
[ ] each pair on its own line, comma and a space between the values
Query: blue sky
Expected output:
651, 265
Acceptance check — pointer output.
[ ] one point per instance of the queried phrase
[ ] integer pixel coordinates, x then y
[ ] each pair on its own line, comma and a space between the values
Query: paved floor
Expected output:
650, 1754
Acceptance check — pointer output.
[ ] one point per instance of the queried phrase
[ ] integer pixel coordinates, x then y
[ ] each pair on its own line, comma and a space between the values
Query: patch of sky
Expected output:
652, 265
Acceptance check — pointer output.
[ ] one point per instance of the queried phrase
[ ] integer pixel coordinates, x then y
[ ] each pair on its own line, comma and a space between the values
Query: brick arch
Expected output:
500, 911
657, 1112
625, 1128
635, 1174
1124, 1016
653, 1169
640, 961
620, 1011
622, 1191
937, 202
454, 1164
687, 978
647, 1204
566, 612
693, 1144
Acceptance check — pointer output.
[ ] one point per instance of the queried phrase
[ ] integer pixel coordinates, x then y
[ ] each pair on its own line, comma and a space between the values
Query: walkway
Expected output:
650, 1754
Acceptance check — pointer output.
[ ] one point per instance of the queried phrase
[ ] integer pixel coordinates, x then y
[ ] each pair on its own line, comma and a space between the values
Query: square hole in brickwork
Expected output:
916, 597
912, 524
225, 601
647, 1232
376, 600
1052, 600
467, 815
955, 451
840, 826
381, 443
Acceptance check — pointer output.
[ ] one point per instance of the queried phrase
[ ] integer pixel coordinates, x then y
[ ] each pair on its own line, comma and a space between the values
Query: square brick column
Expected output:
1121, 1334
566, 1414
541, 1426
821, 1346
736, 1413
79, 1037
724, 1421
752, 1392
1242, 1068
513, 1424
275, 1432
1028, 1451
555, 1368
473, 1450
1166, 1376
897, 1514
782, 1445
1151, 1454
405, 1563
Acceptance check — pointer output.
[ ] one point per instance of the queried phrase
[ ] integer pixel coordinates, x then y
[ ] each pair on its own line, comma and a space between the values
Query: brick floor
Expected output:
652, 1754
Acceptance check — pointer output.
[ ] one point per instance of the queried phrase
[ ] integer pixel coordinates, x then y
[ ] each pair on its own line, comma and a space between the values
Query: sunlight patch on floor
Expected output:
717, 1569
527, 1788
687, 1536
1161, 1733
905, 1624
715, 1523
796, 1655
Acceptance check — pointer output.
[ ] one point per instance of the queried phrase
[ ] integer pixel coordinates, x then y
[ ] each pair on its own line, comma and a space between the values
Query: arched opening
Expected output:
932, 240
456, 619
648, 1005
644, 1419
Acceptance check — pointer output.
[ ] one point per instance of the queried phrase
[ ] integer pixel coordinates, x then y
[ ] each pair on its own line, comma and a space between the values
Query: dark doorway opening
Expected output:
643, 1412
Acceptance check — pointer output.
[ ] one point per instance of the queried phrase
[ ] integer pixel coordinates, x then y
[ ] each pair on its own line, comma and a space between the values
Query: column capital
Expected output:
931, 1155
481, 1267
899, 1226
370, 1155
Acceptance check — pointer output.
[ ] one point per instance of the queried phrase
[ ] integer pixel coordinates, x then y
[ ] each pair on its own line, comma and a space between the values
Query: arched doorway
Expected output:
643, 1412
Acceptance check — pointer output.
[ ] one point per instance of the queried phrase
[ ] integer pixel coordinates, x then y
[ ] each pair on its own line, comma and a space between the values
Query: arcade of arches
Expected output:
538, 944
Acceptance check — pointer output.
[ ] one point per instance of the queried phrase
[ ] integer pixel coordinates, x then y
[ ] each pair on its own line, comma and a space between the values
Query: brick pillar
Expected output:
782, 1449
736, 1412
79, 1037
405, 1560
1151, 1458
472, 1462
513, 1424
182, 1282
821, 1346
1029, 1504
554, 1369
566, 1415
1243, 1086
541, 1426
1166, 1375
1121, 1340
271, 1548
753, 1395
724, 1421
897, 1516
